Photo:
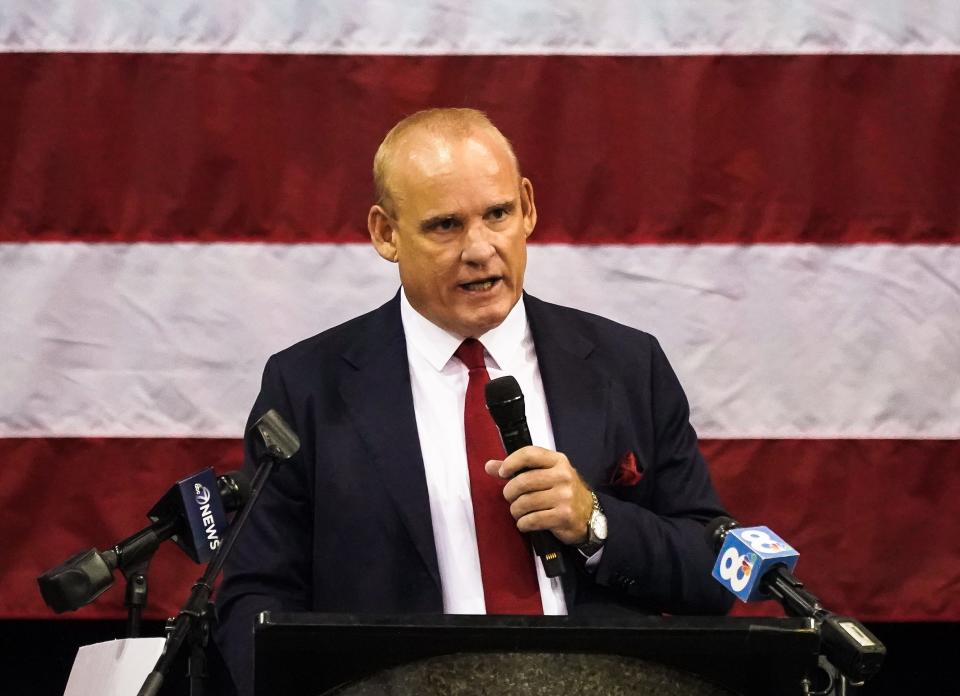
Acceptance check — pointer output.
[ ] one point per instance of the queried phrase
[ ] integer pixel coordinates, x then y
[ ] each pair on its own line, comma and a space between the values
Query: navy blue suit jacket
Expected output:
345, 526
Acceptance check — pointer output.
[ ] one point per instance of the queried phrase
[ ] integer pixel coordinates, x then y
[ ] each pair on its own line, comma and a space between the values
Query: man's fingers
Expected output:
532, 502
529, 482
493, 467
545, 492
543, 520
530, 457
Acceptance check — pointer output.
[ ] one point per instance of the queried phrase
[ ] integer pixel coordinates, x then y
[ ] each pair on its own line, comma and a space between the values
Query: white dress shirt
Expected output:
439, 384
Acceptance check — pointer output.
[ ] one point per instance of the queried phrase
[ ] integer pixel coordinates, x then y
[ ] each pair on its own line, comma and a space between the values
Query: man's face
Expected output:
463, 216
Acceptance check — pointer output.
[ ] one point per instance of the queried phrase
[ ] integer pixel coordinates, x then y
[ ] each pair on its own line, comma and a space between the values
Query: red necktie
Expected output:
506, 563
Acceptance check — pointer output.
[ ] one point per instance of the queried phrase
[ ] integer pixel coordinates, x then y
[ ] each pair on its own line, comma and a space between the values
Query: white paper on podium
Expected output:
114, 667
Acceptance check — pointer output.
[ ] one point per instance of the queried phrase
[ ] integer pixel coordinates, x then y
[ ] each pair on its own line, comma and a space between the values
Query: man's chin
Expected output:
478, 322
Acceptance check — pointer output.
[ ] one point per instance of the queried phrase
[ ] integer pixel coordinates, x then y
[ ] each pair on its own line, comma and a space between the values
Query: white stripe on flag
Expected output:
770, 341
440, 28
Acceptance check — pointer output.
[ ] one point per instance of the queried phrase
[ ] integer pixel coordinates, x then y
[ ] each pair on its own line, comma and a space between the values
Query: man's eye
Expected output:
498, 213
444, 225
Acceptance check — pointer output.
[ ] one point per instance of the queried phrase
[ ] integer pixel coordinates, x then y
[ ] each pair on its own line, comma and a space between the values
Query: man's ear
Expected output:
527, 207
382, 233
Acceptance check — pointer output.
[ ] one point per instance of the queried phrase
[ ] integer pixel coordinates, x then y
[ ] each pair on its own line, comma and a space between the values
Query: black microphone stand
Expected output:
192, 623
135, 599
133, 556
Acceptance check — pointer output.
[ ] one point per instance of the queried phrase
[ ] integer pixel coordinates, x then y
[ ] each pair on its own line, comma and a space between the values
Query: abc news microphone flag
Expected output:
770, 189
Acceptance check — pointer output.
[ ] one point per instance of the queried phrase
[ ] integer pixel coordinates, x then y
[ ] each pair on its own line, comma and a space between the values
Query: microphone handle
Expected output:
790, 592
547, 547
846, 642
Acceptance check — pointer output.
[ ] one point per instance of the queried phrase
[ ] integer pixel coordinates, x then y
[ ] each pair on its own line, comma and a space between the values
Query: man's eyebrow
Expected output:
505, 205
431, 222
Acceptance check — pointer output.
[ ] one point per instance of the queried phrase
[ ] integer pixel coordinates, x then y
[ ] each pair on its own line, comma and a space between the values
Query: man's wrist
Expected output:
596, 530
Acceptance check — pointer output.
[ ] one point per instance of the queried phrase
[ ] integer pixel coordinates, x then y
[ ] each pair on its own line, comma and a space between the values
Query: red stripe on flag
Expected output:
873, 520
59, 496
164, 147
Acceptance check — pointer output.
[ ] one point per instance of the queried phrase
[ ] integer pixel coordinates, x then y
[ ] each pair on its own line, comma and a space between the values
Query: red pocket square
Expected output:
627, 473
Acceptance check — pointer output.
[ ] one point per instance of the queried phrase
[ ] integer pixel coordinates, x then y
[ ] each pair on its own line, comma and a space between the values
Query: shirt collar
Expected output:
438, 345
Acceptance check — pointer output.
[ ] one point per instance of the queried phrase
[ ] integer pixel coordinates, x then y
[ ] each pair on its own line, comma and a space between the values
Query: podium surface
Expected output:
357, 655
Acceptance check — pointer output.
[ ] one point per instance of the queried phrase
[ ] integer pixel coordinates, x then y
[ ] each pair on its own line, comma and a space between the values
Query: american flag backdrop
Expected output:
771, 188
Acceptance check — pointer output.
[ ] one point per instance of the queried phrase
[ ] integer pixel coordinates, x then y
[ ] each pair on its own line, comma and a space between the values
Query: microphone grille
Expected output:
277, 436
235, 487
716, 531
505, 400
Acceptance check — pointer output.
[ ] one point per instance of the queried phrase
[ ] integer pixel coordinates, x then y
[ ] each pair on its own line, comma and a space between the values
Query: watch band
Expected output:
596, 529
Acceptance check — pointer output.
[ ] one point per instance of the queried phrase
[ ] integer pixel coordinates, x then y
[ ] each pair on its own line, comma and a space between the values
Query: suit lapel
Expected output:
577, 393
379, 399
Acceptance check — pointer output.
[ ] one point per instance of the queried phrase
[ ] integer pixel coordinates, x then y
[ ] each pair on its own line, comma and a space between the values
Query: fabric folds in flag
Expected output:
769, 190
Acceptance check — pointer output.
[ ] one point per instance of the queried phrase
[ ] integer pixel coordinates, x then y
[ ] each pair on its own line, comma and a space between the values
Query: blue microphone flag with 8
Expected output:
747, 554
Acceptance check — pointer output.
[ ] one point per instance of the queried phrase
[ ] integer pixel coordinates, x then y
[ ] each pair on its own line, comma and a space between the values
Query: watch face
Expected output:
598, 525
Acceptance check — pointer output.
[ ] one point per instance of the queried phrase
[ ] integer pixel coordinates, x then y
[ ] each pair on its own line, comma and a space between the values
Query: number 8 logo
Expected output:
760, 541
734, 570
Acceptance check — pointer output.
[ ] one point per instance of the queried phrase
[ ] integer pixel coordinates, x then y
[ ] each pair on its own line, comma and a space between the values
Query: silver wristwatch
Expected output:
596, 530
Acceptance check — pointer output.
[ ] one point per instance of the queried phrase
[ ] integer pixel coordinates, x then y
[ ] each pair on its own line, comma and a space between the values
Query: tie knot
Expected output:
470, 353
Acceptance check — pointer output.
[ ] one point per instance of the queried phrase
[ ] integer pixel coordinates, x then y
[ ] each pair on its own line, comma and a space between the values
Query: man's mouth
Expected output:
480, 285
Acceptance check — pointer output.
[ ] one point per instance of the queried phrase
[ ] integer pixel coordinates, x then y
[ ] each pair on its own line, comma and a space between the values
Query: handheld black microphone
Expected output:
189, 513
505, 403
847, 643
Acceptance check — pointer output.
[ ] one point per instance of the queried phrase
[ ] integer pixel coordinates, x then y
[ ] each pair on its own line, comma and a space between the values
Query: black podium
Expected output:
310, 654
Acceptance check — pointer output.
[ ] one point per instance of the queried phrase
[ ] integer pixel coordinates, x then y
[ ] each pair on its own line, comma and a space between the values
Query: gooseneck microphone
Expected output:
505, 403
192, 513
755, 564
277, 444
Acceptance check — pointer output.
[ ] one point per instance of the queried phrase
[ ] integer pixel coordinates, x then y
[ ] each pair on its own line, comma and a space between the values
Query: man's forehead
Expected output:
429, 153
427, 162
425, 155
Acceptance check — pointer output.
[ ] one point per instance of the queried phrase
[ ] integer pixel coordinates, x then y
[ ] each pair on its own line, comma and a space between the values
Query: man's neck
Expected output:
437, 344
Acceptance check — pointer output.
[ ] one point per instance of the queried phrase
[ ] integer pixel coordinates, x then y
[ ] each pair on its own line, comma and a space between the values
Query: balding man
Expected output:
400, 500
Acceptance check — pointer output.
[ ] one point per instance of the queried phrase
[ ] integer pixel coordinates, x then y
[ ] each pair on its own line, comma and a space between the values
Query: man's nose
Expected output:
477, 244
